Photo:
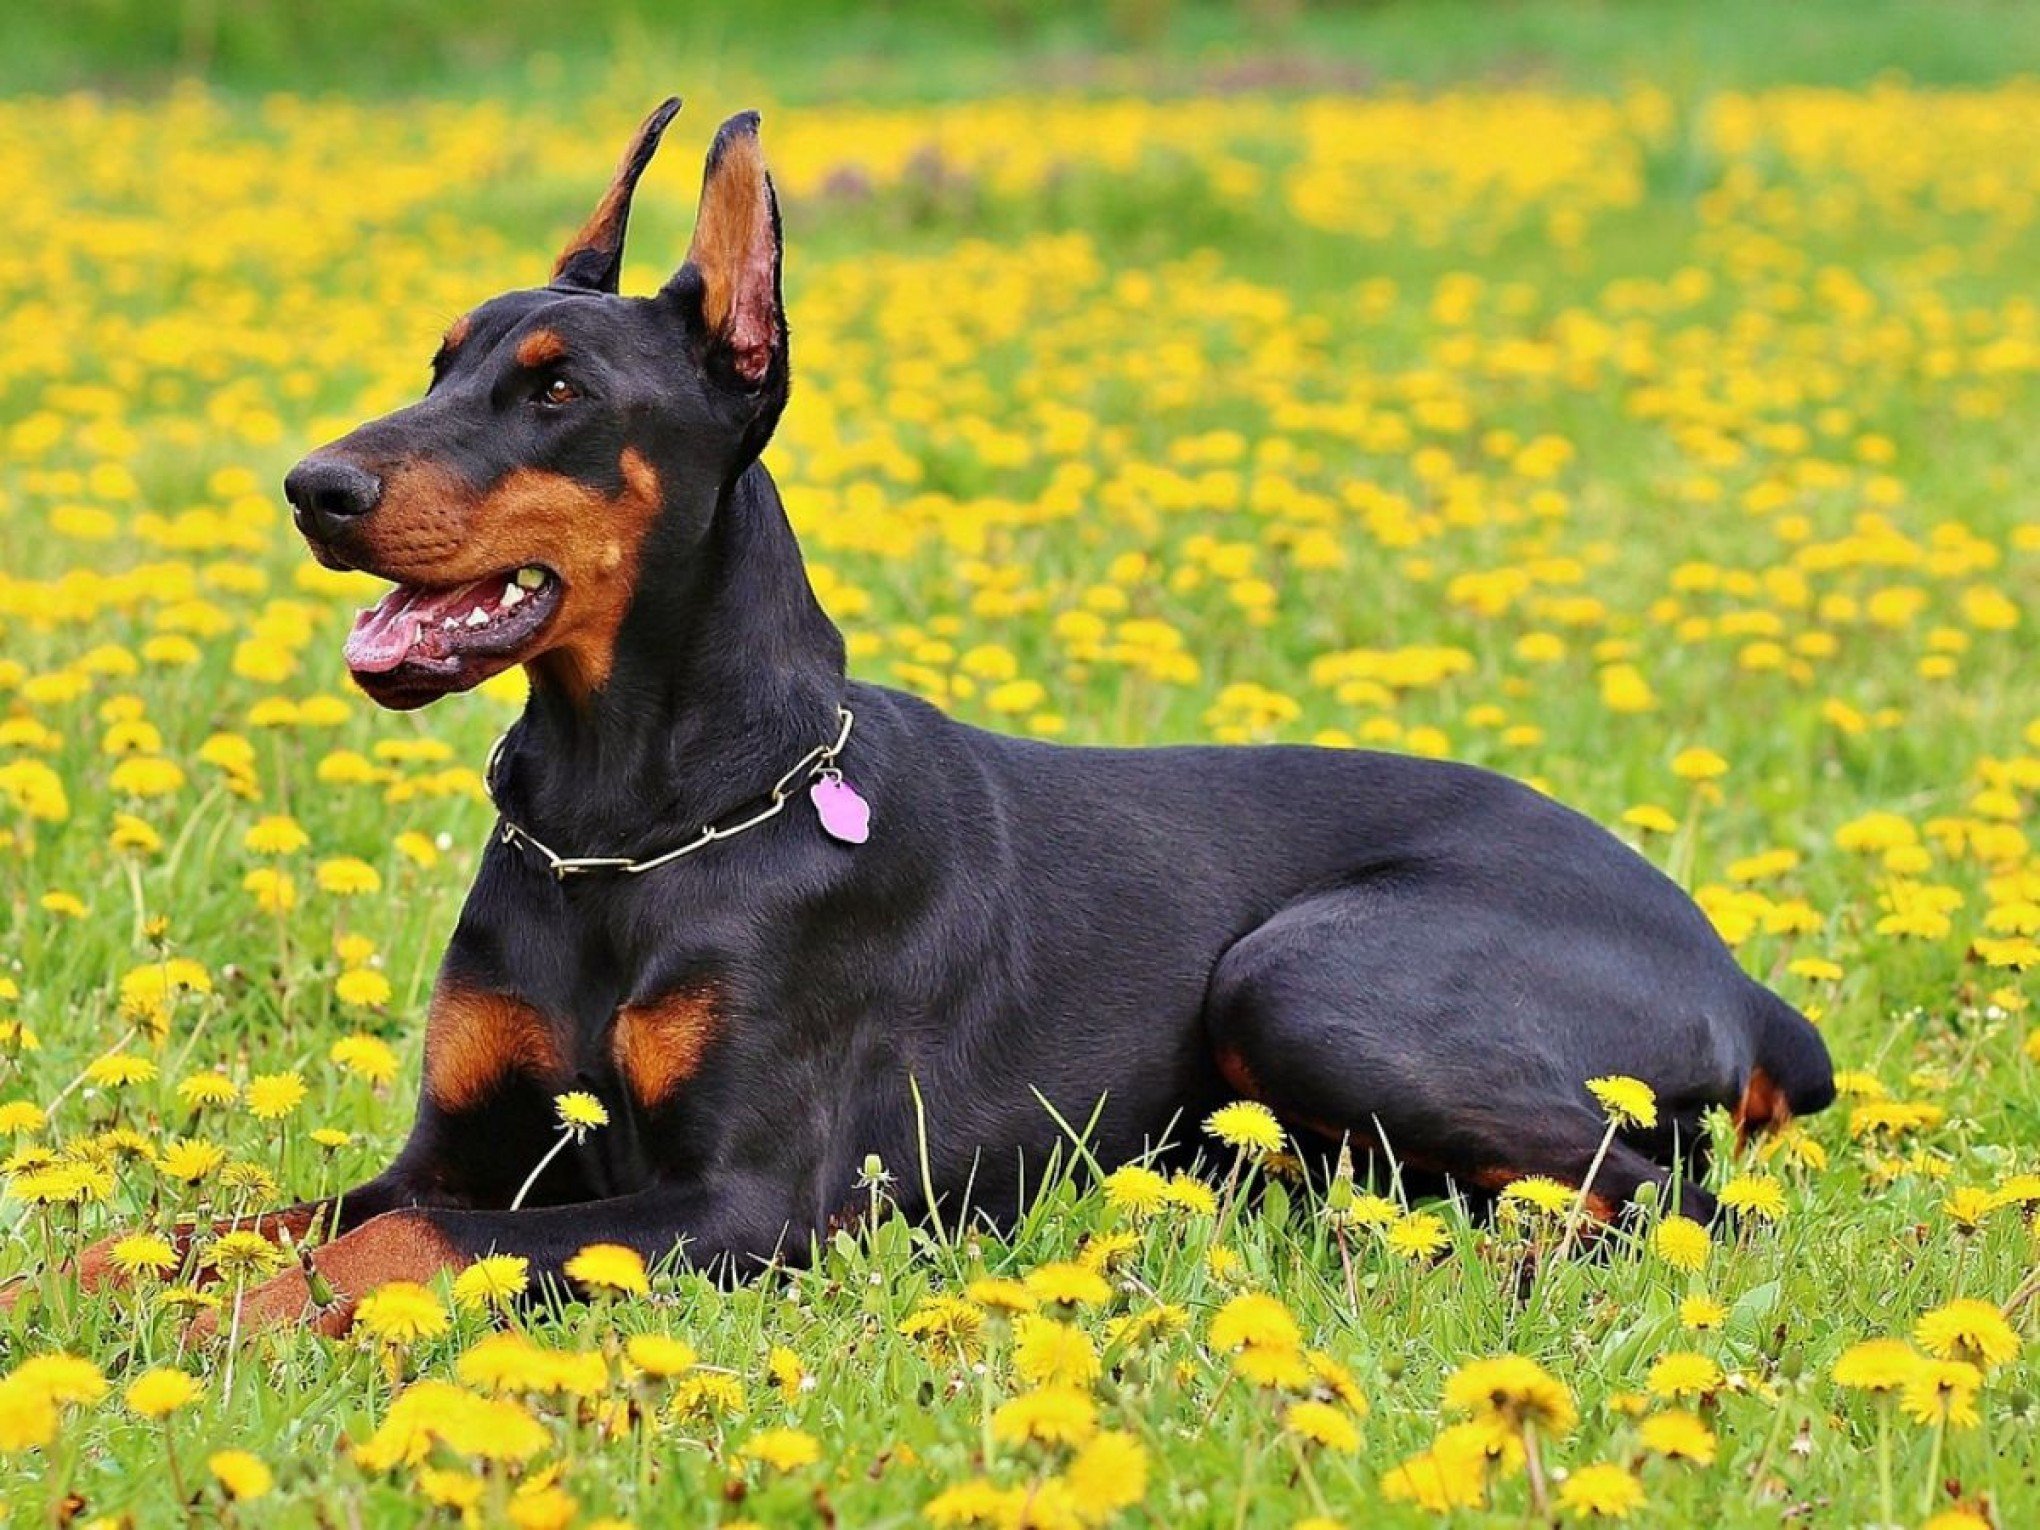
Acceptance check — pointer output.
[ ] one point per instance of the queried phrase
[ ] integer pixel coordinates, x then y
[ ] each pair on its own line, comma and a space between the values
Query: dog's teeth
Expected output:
477, 617
449, 621
511, 595
531, 578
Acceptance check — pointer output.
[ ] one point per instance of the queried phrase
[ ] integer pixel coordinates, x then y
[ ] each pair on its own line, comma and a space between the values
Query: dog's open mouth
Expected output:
440, 638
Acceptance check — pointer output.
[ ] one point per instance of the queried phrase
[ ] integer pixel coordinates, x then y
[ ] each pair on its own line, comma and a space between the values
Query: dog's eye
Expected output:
556, 392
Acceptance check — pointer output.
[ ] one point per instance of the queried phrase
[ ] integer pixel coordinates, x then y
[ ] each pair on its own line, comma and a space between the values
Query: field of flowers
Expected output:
1674, 454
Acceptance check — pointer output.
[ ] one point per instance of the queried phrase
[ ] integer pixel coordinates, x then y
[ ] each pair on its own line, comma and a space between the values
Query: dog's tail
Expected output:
1792, 1075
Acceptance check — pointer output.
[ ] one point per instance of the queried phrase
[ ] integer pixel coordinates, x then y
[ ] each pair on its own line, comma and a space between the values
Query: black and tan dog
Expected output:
1414, 953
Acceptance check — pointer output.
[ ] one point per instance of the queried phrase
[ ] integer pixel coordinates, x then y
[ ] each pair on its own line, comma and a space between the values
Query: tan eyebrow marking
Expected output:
540, 347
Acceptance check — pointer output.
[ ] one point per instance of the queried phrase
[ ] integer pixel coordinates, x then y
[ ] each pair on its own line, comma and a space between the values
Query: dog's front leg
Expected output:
729, 1228
97, 1267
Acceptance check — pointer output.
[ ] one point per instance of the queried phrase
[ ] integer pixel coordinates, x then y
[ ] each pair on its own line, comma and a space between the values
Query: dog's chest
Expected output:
638, 1052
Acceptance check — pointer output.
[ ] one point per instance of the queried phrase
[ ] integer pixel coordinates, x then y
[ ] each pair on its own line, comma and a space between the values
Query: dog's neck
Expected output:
726, 671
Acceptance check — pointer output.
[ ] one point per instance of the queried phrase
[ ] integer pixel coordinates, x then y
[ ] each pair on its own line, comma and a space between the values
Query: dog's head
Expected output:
511, 506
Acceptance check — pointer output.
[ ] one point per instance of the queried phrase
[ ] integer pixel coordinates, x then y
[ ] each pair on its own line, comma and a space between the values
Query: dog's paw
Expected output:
282, 1302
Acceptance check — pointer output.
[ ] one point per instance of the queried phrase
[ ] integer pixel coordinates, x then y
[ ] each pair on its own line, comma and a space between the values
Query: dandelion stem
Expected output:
1934, 1465
1579, 1206
1533, 1465
1310, 1482
177, 1473
64, 1093
921, 1147
134, 878
517, 1201
233, 1339
1245, 1495
2027, 1290
1885, 1514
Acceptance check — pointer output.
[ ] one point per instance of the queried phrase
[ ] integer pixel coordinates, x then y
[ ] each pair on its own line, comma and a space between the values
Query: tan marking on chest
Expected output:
659, 1045
475, 1040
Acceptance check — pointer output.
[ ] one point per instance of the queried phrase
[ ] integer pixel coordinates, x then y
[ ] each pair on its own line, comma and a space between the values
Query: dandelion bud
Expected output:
874, 1167
1646, 1195
323, 1294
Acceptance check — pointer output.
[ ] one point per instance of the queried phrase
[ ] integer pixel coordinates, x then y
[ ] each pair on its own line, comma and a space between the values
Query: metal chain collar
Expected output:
818, 761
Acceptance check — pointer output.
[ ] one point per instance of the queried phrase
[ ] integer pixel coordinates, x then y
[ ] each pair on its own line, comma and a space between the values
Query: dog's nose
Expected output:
327, 495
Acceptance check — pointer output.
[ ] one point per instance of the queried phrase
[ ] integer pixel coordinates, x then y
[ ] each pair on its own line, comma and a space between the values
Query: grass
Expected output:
1664, 446
910, 50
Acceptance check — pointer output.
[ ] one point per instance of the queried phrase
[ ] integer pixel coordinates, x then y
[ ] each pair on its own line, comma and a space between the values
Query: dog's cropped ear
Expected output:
731, 274
593, 258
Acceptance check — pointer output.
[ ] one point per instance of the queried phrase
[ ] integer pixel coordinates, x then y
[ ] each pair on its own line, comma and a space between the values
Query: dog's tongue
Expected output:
409, 619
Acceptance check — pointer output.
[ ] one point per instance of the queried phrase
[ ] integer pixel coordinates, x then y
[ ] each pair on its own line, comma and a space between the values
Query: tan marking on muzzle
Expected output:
433, 528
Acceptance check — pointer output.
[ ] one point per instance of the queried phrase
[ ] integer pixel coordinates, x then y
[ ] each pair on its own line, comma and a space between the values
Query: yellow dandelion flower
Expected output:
272, 1096
140, 1253
1246, 1126
1254, 1319
244, 1255
1418, 1236
62, 1378
1628, 1102
610, 1267
783, 1450
1512, 1390
276, 834
28, 1417
1535, 1192
1108, 1475
401, 1312
21, 1118
1682, 1243
366, 1057
362, 988
491, 1283
1054, 1415
1754, 1195
1702, 1313
1136, 1191
659, 1355
1602, 1490
947, 1326
189, 1159
1322, 1424
202, 1089
580, 1112
1678, 1436
161, 1392
1068, 1285
1048, 1353
1942, 1391
1968, 1329
1683, 1373
998, 1294
787, 1373
347, 876
241, 1476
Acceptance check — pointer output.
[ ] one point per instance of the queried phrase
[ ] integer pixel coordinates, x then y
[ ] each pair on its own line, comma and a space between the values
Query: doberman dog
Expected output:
778, 920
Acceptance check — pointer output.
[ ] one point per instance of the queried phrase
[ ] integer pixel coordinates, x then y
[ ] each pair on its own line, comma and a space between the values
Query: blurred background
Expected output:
805, 50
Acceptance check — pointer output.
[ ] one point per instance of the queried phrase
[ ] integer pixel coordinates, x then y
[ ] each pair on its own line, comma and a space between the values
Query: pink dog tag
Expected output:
844, 814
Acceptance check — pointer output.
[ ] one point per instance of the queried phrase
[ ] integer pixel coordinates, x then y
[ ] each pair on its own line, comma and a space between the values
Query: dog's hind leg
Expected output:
1405, 1021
